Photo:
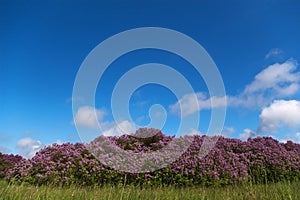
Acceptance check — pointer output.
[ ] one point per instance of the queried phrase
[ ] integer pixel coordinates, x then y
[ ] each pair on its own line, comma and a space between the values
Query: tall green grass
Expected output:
281, 190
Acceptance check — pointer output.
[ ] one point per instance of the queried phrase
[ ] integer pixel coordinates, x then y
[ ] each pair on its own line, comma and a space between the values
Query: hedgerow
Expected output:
259, 160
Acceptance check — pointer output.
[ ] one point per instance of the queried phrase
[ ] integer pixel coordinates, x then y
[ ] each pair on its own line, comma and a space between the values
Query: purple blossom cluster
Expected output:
59, 164
143, 140
230, 161
137, 153
8, 162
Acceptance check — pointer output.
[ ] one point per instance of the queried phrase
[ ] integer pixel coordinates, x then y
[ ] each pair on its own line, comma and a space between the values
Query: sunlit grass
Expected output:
281, 190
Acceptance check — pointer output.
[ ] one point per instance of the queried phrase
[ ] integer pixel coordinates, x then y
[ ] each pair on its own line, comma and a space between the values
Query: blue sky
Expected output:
254, 44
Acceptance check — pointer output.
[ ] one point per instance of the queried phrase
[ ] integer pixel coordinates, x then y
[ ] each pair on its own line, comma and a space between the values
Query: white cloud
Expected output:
246, 101
119, 128
88, 116
75, 99
188, 104
192, 131
292, 137
274, 53
28, 147
227, 131
288, 90
276, 77
59, 142
276, 81
281, 113
194, 102
247, 134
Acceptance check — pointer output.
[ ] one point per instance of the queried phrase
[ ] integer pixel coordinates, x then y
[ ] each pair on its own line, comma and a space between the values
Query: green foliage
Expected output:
281, 190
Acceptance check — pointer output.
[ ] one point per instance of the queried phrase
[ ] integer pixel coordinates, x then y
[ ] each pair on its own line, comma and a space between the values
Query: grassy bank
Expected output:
269, 191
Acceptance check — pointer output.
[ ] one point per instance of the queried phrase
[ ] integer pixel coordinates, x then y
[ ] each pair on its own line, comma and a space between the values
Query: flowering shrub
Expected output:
270, 160
231, 161
145, 139
59, 164
8, 162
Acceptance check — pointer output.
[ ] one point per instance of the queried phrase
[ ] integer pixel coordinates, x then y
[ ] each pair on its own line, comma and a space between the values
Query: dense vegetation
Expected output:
231, 161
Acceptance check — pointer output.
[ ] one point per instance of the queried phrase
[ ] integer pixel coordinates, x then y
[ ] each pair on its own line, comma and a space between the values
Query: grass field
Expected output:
270, 191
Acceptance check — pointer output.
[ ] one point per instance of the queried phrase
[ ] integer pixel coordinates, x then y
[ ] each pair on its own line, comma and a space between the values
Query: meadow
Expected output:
274, 191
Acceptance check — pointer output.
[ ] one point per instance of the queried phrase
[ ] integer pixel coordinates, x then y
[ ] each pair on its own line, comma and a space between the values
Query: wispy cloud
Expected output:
191, 103
4, 149
278, 80
247, 133
274, 53
75, 99
119, 128
292, 137
227, 131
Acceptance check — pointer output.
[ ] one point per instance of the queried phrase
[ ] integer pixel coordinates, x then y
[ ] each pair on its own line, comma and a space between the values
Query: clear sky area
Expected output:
255, 46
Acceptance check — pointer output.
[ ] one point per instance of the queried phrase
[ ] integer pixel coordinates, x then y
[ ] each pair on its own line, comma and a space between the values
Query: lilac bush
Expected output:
8, 162
231, 161
138, 154
270, 160
59, 164
145, 139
